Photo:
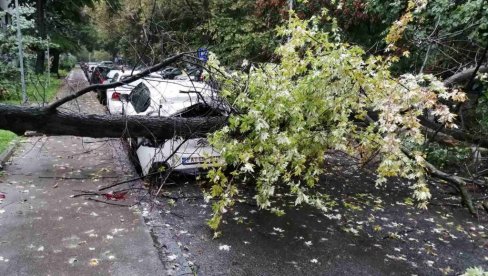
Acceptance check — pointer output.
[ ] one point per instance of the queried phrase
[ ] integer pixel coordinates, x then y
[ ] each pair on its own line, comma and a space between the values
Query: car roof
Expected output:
178, 95
131, 85
169, 88
112, 73
130, 72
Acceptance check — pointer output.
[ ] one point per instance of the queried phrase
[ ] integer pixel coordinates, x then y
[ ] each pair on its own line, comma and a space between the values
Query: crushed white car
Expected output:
174, 98
113, 95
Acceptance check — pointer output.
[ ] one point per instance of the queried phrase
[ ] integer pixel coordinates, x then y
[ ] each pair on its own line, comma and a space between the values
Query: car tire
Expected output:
132, 143
158, 173
102, 97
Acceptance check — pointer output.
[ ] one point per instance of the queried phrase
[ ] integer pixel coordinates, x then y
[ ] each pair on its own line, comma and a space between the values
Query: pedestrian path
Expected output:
44, 230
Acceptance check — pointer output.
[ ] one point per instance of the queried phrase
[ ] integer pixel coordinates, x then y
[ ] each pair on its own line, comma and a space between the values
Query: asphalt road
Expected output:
389, 238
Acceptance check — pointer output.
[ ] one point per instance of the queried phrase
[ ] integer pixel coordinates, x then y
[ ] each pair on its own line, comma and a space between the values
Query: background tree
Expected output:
9, 62
63, 23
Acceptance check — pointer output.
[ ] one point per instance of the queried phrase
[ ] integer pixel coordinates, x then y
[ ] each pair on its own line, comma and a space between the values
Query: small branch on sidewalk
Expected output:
76, 178
111, 203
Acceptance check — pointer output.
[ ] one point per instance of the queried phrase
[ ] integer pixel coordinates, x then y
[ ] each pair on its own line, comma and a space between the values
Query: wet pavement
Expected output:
367, 231
45, 231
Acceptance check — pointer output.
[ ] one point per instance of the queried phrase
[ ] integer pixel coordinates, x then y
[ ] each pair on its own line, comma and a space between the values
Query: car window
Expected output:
105, 71
115, 77
140, 98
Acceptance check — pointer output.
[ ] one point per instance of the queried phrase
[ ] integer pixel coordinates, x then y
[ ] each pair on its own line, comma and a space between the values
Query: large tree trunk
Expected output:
55, 64
21, 119
41, 29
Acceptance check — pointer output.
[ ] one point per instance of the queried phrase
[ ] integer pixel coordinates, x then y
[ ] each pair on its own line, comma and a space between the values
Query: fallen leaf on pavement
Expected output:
115, 196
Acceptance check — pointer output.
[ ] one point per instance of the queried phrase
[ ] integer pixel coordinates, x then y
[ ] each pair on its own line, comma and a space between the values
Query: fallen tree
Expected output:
21, 119
289, 118
480, 139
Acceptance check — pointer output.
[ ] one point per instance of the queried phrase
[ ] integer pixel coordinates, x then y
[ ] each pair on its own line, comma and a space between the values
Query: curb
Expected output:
161, 234
8, 152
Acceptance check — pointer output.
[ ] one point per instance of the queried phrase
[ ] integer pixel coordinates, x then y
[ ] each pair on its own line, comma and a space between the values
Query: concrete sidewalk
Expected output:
45, 231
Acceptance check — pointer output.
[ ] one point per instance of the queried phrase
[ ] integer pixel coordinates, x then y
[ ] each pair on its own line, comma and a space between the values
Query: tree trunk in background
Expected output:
41, 28
207, 16
55, 64
206, 8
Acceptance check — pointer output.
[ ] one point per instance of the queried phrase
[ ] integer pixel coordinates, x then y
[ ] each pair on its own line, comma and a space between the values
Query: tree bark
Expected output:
21, 119
456, 134
464, 75
41, 29
468, 108
55, 64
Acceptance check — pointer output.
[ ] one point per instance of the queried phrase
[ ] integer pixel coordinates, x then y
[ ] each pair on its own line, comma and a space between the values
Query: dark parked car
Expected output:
170, 73
98, 76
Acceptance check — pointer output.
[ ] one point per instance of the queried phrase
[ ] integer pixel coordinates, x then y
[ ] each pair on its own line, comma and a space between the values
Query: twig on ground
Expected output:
111, 203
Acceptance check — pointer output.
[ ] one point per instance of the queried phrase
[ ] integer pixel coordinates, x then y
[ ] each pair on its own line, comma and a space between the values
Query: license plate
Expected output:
198, 160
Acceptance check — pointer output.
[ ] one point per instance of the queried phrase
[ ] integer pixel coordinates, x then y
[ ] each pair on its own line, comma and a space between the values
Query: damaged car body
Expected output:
174, 98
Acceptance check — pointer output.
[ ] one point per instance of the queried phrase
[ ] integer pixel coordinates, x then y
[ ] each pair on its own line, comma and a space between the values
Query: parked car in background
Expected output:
91, 66
101, 93
106, 62
174, 98
111, 75
191, 72
99, 74
170, 73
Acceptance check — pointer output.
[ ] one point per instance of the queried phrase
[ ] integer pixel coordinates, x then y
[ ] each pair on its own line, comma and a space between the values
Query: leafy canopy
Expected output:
316, 99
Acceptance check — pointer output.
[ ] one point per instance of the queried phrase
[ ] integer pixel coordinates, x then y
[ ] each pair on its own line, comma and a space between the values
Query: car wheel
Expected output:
133, 155
103, 97
158, 173
99, 97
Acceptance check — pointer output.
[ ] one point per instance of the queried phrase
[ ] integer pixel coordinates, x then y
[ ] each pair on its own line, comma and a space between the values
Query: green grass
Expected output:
37, 90
5, 138
37, 93
63, 73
